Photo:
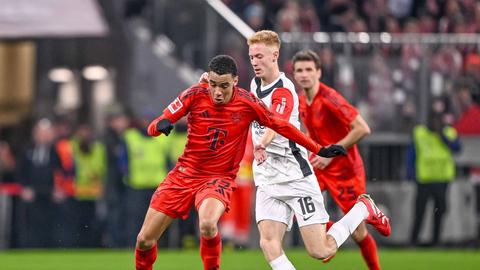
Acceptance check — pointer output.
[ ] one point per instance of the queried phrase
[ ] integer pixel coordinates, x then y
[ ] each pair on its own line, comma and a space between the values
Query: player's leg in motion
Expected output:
271, 238
321, 245
153, 227
209, 213
367, 245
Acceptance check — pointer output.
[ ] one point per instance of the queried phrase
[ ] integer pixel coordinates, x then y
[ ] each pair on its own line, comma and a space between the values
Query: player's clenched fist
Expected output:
157, 127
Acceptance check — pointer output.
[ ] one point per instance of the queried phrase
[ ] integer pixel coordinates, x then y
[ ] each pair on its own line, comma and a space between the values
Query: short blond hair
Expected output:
266, 37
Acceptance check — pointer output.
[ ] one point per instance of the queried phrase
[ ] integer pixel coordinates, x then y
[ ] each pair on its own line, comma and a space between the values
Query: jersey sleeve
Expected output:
178, 108
267, 118
339, 106
282, 103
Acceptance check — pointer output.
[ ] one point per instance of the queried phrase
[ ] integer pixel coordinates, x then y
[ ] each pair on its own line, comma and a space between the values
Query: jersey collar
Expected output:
269, 88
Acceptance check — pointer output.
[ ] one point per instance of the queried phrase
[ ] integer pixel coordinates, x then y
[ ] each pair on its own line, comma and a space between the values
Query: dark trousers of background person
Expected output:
188, 231
115, 221
64, 225
37, 223
438, 192
15, 222
87, 225
137, 202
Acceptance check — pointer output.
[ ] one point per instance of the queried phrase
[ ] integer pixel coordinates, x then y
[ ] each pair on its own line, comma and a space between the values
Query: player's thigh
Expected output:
306, 200
213, 198
346, 192
271, 230
270, 208
210, 210
154, 225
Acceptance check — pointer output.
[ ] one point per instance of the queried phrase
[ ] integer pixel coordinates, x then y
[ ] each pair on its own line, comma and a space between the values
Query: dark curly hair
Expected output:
223, 64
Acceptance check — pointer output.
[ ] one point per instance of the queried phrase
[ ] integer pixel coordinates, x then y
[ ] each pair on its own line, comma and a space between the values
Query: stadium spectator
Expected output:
117, 172
330, 119
90, 161
468, 108
430, 162
9, 187
224, 112
327, 60
64, 178
147, 167
36, 176
255, 15
288, 18
380, 94
309, 21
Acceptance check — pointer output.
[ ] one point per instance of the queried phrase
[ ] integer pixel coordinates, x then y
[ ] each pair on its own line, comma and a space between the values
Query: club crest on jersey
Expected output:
175, 105
237, 117
256, 125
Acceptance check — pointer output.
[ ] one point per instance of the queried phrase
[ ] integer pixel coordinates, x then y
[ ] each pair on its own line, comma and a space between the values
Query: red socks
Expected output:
210, 250
144, 259
368, 246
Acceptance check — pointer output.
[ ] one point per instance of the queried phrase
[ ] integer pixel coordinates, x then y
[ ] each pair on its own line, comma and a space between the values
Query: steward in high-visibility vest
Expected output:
147, 159
90, 170
430, 162
434, 159
175, 144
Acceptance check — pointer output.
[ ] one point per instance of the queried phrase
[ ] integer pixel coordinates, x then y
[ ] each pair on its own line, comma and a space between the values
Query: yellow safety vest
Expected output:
90, 169
147, 159
176, 144
434, 159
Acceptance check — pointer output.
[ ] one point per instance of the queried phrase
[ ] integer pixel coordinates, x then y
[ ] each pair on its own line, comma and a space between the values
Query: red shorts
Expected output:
344, 191
176, 194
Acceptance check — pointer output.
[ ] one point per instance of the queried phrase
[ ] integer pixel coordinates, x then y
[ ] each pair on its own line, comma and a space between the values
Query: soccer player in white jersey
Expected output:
286, 185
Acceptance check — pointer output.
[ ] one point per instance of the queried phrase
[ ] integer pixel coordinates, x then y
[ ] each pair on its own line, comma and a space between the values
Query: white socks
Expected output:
343, 228
282, 263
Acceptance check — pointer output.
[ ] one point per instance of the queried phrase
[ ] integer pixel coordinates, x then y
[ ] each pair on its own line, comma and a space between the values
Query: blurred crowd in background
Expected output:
382, 80
73, 184
393, 16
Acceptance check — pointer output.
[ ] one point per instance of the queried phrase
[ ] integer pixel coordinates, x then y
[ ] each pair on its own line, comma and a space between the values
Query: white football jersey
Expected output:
286, 160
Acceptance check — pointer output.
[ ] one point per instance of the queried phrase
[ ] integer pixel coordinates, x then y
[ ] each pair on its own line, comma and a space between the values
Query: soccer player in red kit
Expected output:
219, 114
330, 119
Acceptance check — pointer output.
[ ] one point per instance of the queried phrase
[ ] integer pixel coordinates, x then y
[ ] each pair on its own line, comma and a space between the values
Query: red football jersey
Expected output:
217, 134
327, 120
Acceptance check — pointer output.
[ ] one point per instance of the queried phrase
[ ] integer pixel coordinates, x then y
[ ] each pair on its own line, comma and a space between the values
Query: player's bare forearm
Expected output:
267, 138
359, 130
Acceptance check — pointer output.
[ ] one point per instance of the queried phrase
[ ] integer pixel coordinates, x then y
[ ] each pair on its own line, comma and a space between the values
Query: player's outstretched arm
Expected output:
159, 126
174, 111
284, 128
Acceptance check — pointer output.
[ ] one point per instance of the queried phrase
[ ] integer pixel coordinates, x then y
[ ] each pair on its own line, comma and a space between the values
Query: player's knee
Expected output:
270, 244
319, 254
208, 227
144, 242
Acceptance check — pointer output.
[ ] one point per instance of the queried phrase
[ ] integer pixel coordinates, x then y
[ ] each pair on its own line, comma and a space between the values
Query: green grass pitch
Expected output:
391, 259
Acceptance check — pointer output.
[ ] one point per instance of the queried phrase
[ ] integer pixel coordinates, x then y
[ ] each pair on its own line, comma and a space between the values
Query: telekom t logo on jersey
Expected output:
216, 137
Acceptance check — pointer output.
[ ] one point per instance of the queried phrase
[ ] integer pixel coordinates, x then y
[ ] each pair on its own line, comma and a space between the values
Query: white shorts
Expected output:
281, 168
280, 202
